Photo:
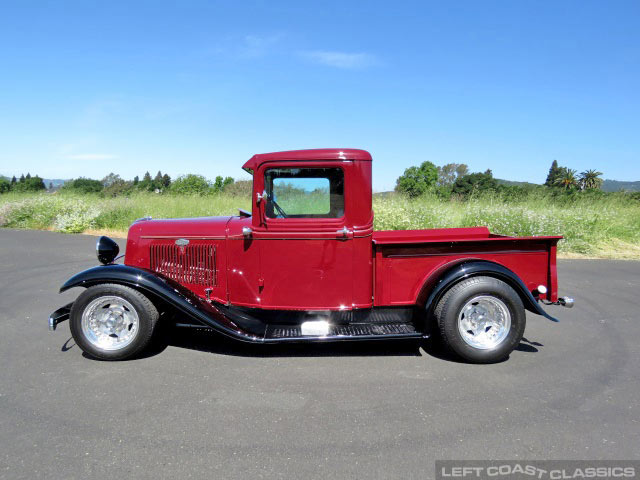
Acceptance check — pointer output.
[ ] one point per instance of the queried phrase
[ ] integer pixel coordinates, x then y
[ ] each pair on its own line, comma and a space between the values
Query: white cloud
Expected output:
342, 59
92, 156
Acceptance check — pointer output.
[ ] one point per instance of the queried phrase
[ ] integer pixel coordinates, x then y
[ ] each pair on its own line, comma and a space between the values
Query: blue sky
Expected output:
87, 88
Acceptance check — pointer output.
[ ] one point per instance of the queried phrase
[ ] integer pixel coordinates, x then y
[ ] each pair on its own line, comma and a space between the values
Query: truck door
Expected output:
306, 249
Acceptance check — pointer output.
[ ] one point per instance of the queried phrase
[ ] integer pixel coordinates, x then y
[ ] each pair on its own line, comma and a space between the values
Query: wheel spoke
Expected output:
110, 323
484, 322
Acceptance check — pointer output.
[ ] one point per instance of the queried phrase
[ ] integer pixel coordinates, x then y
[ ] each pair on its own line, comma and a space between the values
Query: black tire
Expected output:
147, 315
449, 308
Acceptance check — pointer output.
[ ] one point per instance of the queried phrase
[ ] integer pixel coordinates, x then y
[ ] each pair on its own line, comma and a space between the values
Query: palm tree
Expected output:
590, 179
567, 178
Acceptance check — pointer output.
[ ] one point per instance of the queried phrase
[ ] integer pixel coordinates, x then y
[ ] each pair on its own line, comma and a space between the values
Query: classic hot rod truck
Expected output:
305, 265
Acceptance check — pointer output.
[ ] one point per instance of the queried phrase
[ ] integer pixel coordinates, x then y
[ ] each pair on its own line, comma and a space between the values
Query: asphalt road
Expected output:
205, 407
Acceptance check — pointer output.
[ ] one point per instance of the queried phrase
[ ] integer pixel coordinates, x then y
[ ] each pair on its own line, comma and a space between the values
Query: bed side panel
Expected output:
405, 273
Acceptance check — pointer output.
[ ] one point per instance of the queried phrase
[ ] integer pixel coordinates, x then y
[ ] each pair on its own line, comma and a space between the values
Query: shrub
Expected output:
240, 188
191, 185
83, 185
5, 185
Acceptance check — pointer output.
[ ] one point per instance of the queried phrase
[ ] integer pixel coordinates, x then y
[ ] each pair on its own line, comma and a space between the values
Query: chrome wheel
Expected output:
110, 323
484, 322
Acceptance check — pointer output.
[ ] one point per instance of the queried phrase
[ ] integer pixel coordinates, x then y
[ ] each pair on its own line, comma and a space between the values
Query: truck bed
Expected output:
406, 260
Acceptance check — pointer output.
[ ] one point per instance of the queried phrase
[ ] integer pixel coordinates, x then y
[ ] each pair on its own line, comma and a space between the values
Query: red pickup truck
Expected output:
305, 265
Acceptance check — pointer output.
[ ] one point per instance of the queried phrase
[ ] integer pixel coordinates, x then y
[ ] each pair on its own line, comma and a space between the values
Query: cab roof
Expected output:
307, 155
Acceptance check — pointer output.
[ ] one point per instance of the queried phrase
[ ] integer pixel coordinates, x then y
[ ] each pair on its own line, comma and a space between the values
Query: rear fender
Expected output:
168, 291
483, 268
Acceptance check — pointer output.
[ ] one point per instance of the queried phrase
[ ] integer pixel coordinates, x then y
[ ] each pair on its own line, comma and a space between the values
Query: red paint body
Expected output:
306, 264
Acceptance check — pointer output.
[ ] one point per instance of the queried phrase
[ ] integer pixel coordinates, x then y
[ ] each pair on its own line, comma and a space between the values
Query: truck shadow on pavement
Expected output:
211, 342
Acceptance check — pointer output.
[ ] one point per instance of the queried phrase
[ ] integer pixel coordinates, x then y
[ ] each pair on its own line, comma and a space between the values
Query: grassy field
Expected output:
607, 227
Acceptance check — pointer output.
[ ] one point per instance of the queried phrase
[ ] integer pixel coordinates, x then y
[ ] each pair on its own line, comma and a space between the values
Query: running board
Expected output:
352, 331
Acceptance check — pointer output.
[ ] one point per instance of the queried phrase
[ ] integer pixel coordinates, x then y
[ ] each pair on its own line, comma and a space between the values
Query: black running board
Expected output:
347, 332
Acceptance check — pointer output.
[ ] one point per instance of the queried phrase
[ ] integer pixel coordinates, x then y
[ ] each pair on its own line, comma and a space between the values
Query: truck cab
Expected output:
305, 265
307, 244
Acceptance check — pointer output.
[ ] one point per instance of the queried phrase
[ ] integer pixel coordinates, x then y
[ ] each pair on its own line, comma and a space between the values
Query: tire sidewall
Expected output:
145, 321
458, 298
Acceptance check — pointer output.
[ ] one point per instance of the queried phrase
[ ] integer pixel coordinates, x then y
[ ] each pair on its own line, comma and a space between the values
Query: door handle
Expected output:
344, 233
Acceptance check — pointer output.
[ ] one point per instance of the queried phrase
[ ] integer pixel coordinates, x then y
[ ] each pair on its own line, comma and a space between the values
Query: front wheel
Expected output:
112, 322
482, 319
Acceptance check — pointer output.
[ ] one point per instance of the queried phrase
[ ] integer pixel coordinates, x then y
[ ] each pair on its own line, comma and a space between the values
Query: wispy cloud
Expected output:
257, 45
342, 59
92, 156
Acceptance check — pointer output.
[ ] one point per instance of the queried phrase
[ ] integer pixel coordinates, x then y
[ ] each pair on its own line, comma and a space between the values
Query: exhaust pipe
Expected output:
566, 302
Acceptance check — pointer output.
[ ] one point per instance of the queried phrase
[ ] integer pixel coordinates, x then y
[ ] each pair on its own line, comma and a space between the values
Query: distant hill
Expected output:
617, 185
57, 182
512, 183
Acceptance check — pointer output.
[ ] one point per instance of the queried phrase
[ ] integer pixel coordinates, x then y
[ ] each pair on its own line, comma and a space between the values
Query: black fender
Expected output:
477, 268
170, 292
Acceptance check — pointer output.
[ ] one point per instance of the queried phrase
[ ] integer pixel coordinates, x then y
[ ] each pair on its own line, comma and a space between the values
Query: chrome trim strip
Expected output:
163, 237
328, 237
448, 254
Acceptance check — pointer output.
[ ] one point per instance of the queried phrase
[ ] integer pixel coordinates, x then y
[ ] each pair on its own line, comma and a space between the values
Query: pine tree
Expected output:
146, 183
22, 178
166, 181
13, 180
28, 176
554, 172
157, 181
136, 180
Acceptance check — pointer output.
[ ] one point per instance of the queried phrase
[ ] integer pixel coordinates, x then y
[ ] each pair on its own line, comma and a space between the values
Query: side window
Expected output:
304, 192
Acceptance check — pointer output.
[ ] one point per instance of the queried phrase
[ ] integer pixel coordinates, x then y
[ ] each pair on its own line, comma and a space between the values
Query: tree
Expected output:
241, 188
416, 181
84, 185
166, 181
157, 181
13, 181
110, 179
475, 183
191, 184
22, 178
566, 178
136, 180
447, 174
118, 188
31, 184
5, 185
28, 177
553, 174
590, 179
221, 183
146, 183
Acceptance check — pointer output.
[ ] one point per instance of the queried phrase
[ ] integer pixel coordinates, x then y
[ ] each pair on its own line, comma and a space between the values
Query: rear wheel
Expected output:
112, 322
481, 319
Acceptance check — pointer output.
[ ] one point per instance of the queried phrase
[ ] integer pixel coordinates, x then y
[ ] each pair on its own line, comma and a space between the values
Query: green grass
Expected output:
605, 226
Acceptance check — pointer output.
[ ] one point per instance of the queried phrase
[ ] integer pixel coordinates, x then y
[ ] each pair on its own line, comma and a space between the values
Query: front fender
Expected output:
477, 268
166, 290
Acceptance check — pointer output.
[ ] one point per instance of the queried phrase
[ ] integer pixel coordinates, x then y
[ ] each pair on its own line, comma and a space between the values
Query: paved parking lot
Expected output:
205, 407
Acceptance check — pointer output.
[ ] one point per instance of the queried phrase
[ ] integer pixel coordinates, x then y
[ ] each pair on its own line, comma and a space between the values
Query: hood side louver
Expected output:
190, 264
